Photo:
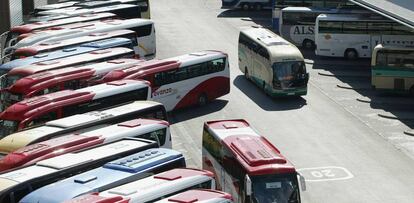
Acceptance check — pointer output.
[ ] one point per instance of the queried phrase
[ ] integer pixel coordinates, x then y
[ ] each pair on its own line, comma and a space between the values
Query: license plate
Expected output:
291, 93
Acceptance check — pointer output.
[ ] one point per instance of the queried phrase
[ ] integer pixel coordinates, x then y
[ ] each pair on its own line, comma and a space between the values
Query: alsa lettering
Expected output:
161, 92
304, 30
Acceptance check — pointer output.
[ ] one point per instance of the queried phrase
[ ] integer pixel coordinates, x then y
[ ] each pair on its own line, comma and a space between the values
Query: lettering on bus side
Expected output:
162, 92
302, 30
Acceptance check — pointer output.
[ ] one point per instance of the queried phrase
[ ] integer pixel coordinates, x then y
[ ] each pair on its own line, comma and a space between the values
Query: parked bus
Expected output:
178, 82
62, 79
143, 27
393, 69
247, 4
40, 109
110, 175
247, 165
62, 44
66, 52
157, 130
14, 185
80, 123
355, 36
11, 76
320, 4
200, 196
74, 3
272, 63
153, 188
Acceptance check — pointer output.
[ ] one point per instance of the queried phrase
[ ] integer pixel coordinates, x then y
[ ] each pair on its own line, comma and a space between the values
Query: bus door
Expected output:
165, 89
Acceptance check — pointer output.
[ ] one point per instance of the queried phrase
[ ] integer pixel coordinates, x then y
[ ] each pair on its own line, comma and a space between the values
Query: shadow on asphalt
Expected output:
263, 18
189, 113
265, 102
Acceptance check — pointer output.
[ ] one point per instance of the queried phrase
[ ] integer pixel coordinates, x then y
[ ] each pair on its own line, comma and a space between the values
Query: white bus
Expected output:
143, 27
356, 35
155, 187
297, 24
200, 196
272, 63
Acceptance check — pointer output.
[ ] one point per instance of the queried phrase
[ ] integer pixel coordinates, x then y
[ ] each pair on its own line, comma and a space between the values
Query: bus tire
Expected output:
351, 54
258, 7
308, 44
245, 6
202, 100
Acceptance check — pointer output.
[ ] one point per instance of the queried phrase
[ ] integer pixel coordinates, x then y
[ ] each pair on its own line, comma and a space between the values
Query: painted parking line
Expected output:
326, 173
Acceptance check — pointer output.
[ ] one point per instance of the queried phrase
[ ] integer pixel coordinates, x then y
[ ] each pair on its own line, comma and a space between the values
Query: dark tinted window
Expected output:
330, 27
143, 31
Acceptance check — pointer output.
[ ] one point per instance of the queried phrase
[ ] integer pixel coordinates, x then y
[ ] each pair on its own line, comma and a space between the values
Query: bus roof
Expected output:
110, 175
87, 7
69, 51
26, 28
158, 184
280, 50
69, 61
68, 124
153, 66
78, 30
351, 17
61, 165
57, 5
199, 195
39, 81
52, 45
255, 153
73, 142
25, 108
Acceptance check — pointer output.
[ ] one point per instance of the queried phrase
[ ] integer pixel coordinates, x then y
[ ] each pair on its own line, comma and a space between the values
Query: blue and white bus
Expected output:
110, 175
68, 51
16, 184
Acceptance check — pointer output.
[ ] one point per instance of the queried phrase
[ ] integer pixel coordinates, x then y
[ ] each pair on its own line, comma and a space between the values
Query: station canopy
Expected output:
401, 11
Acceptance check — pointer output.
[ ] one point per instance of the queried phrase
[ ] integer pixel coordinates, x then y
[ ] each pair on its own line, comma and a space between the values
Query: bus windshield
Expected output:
275, 188
7, 127
294, 73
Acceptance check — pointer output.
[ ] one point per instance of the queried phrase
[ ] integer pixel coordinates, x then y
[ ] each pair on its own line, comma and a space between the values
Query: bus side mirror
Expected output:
248, 183
302, 182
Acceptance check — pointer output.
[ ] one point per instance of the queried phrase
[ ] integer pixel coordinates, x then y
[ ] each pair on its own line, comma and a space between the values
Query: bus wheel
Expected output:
351, 54
308, 44
245, 6
258, 7
202, 99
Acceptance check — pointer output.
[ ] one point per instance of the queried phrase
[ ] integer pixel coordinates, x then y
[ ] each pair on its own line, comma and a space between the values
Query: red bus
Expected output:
200, 196
56, 45
40, 109
96, 56
247, 165
186, 80
61, 79
26, 28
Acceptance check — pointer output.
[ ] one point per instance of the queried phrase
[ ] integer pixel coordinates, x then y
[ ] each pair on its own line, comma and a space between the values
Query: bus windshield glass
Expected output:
289, 71
275, 188
7, 127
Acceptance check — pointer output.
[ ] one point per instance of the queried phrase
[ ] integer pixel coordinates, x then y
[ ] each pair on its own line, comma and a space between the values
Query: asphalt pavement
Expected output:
343, 155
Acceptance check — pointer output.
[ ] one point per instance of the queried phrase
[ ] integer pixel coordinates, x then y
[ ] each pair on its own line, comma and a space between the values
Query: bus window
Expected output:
143, 31
44, 118
158, 136
72, 85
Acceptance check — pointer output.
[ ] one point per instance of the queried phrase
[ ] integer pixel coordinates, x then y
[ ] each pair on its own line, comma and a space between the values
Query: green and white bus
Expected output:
393, 69
272, 63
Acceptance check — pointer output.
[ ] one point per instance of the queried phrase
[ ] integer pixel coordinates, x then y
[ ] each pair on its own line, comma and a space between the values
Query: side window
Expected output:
212, 145
43, 118
72, 85
144, 30
263, 52
50, 90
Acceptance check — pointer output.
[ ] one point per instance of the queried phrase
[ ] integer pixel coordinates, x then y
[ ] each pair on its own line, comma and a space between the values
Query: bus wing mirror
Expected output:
302, 182
248, 183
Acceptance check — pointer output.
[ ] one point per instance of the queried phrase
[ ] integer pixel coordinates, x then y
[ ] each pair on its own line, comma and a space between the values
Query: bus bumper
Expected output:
289, 93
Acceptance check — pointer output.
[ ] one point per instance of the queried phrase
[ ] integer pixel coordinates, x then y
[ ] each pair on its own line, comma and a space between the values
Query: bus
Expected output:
275, 65
144, 28
154, 188
200, 196
40, 109
393, 69
247, 165
79, 123
59, 79
62, 44
247, 4
144, 11
15, 184
356, 35
320, 4
110, 175
12, 75
157, 130
182, 81
69, 51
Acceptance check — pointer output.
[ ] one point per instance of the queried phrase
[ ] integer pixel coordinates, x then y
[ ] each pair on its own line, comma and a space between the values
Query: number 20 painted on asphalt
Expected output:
328, 173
